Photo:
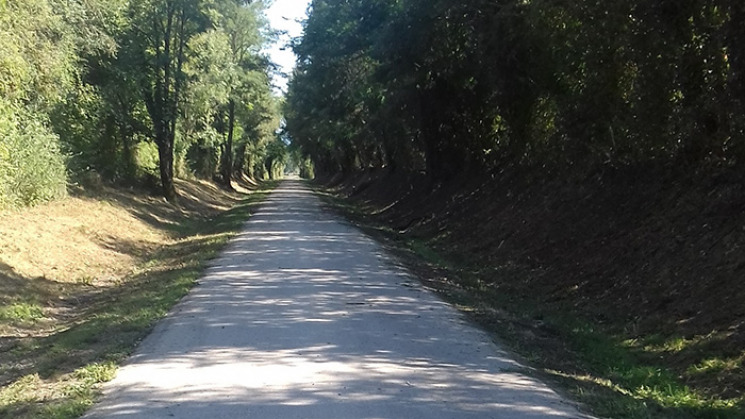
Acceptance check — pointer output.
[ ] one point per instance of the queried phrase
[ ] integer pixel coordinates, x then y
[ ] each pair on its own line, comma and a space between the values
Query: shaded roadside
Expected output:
622, 286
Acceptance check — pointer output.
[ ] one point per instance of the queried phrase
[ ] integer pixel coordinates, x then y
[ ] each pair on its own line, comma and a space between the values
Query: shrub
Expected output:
32, 168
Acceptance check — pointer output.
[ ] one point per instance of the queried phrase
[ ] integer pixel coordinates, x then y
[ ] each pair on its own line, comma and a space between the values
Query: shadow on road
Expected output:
304, 317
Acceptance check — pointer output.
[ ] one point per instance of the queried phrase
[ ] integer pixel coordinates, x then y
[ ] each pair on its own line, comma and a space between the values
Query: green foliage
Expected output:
146, 156
451, 86
37, 56
21, 312
101, 81
79, 120
275, 159
36, 67
302, 165
228, 99
32, 169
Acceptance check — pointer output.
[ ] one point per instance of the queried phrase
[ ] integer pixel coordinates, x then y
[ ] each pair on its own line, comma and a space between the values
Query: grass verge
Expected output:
593, 362
56, 371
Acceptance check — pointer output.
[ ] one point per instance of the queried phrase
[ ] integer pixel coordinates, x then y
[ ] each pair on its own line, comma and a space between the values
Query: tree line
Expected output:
133, 90
469, 86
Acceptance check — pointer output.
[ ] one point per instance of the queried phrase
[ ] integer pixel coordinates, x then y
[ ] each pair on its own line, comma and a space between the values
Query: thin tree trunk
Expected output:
166, 135
227, 169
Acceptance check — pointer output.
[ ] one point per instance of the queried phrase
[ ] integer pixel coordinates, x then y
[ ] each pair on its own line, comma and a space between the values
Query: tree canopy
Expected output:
131, 90
451, 87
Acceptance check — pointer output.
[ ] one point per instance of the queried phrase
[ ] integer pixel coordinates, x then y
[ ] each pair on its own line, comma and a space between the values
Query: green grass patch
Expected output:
590, 361
59, 374
427, 253
21, 312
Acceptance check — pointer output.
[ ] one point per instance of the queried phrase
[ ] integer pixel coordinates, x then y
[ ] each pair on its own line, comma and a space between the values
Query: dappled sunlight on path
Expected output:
304, 317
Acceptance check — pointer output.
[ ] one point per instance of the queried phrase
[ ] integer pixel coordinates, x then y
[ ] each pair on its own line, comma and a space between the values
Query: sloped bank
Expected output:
624, 284
83, 280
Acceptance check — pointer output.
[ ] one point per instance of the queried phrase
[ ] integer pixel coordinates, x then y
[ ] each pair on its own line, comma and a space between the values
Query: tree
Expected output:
156, 46
228, 86
241, 24
94, 84
466, 87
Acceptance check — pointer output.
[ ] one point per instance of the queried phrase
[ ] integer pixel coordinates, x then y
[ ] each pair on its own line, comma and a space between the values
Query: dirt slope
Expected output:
652, 254
82, 280
54, 255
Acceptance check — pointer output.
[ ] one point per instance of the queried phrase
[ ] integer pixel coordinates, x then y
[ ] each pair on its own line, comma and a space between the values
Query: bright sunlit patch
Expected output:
285, 16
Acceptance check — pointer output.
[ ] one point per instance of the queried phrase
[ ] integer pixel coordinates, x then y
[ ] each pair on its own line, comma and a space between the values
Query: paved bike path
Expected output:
303, 316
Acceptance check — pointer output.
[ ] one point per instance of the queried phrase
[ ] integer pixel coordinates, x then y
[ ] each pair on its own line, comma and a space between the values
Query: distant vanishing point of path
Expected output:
303, 316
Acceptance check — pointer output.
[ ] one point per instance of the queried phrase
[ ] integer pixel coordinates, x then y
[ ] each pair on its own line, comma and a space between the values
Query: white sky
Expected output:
285, 15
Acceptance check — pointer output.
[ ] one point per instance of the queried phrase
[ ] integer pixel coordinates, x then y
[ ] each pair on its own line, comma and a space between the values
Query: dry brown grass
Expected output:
84, 278
74, 240
52, 256
93, 240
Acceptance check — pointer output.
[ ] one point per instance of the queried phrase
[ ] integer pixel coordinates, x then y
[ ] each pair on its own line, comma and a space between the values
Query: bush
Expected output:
146, 157
32, 168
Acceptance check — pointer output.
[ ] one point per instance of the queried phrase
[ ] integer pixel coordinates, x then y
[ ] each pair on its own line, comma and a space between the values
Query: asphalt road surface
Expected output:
303, 316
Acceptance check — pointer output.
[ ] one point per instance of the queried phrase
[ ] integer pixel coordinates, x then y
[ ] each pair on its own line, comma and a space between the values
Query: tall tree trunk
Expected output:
438, 162
164, 137
126, 134
227, 168
165, 154
162, 104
